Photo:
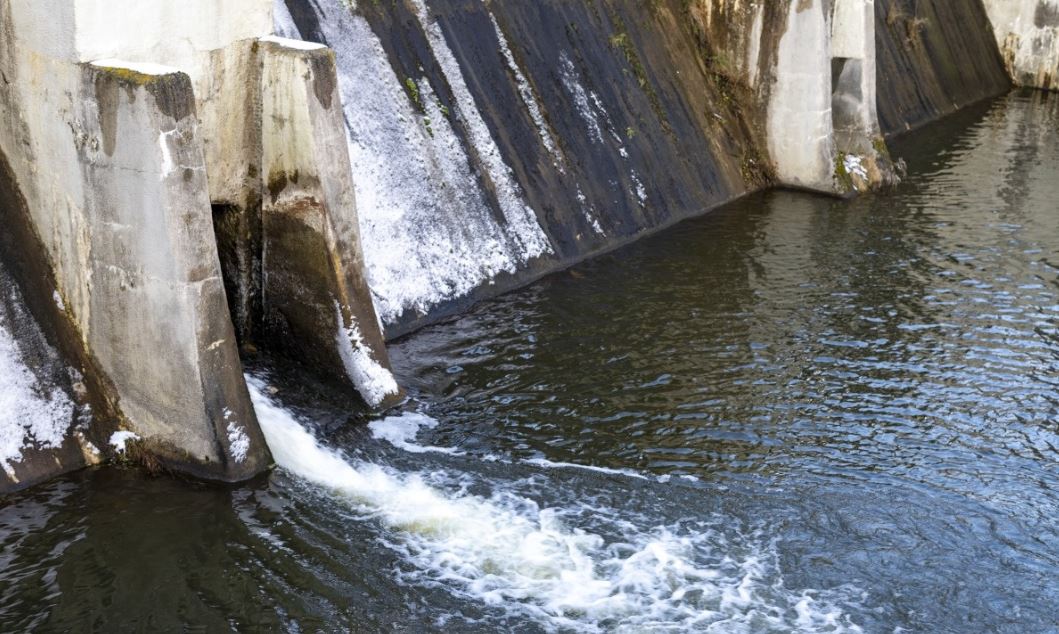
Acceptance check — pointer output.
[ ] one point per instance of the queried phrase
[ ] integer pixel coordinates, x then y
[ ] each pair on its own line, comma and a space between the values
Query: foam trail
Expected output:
548, 464
523, 560
401, 431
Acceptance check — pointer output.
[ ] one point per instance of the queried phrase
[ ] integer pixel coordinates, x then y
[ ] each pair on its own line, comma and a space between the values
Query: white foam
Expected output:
548, 464
401, 431
30, 413
508, 552
119, 438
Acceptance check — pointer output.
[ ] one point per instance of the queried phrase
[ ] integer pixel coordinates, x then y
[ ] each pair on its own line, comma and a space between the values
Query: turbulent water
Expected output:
792, 414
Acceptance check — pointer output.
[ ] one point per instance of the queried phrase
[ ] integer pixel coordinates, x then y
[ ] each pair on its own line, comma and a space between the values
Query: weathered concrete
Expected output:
155, 280
1027, 32
109, 163
800, 129
110, 154
316, 300
863, 156
810, 66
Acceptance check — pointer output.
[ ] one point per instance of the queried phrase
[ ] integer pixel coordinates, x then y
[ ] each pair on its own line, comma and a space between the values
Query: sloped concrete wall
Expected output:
493, 142
934, 57
46, 404
1027, 32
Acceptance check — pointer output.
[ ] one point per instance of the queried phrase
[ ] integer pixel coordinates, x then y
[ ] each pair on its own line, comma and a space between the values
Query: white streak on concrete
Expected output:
373, 381
528, 98
572, 83
238, 442
167, 157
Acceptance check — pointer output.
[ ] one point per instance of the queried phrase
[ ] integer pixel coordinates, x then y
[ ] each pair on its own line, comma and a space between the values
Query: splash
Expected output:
512, 554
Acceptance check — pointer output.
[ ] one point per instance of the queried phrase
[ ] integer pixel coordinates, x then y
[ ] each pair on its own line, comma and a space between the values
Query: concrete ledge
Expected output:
1027, 32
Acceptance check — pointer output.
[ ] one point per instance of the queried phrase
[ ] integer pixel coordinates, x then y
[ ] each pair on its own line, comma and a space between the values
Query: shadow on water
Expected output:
848, 409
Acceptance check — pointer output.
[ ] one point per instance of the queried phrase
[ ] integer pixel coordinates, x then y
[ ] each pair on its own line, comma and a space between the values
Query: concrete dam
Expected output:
540, 316
186, 184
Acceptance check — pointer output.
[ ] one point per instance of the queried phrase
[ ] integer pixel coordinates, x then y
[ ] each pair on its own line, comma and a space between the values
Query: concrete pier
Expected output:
124, 129
1027, 32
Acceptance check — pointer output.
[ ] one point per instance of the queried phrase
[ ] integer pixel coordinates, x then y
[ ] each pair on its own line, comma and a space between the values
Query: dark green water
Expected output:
817, 416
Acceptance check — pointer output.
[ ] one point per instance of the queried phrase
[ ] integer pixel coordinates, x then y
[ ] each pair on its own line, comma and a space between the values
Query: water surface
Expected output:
791, 414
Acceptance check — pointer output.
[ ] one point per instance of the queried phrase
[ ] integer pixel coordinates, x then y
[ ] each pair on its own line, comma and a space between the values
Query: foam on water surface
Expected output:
401, 431
511, 553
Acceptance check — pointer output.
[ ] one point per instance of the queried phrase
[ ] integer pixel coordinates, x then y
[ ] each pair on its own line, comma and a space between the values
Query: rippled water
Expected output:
791, 414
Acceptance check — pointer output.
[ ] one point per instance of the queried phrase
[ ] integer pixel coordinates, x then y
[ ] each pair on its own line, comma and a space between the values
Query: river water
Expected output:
791, 414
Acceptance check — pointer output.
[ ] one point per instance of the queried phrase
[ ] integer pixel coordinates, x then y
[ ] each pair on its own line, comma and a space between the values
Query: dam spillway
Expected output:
297, 189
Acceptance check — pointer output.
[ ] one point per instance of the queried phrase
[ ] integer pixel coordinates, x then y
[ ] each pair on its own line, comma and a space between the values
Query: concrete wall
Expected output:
108, 159
494, 142
800, 128
1027, 32
168, 158
178, 171
933, 58
315, 297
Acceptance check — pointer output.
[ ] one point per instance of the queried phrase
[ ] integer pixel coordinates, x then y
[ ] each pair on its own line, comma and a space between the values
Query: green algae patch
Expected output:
135, 77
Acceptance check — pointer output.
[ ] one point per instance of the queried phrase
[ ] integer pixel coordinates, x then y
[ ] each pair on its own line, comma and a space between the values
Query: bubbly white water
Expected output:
401, 431
510, 553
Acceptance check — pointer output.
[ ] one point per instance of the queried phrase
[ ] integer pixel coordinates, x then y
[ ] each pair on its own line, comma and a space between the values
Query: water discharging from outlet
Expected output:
503, 549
